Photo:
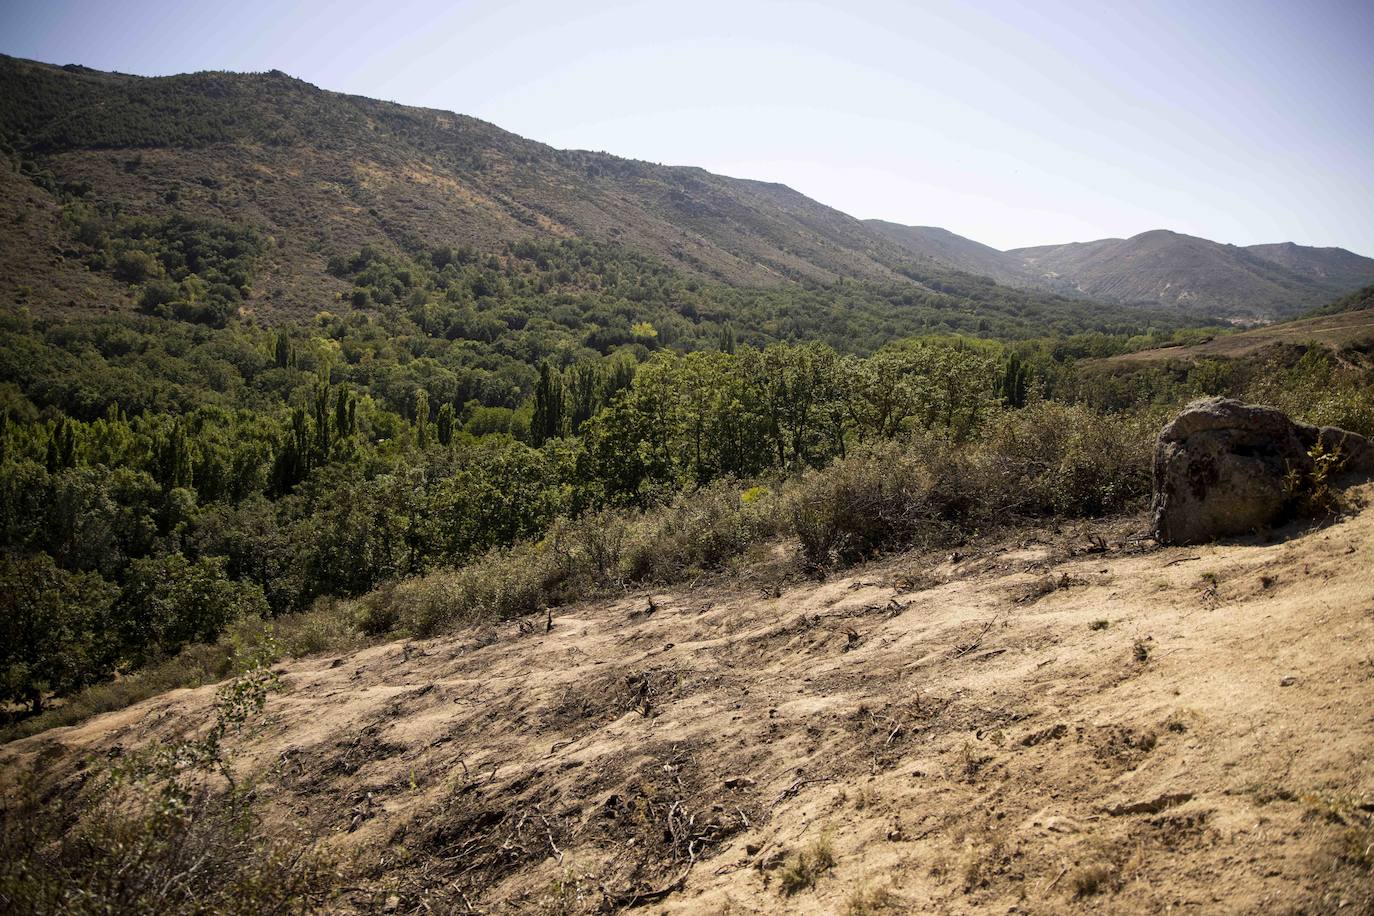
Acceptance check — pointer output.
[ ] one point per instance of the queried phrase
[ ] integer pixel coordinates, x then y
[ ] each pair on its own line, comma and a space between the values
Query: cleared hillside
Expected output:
1342, 331
1036, 726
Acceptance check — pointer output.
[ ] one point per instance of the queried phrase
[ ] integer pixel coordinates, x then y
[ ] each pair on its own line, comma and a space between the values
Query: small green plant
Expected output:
173, 767
1311, 491
154, 833
804, 869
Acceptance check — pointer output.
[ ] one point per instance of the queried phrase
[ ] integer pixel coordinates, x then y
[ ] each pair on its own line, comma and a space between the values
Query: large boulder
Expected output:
1227, 468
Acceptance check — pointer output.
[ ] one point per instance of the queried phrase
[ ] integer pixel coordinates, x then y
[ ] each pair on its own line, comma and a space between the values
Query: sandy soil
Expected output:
1057, 724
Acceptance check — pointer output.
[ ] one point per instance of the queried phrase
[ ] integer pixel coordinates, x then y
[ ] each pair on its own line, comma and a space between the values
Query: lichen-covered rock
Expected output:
1226, 468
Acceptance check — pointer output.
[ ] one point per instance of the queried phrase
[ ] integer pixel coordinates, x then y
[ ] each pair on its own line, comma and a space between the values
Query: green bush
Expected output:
1057, 459
54, 629
501, 584
880, 497
171, 601
700, 531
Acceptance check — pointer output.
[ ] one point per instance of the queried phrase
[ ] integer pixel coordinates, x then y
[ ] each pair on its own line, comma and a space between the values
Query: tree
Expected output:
54, 634
444, 425
345, 413
1011, 385
421, 419
61, 446
293, 458
727, 339
282, 351
168, 602
174, 465
547, 422
584, 392
323, 440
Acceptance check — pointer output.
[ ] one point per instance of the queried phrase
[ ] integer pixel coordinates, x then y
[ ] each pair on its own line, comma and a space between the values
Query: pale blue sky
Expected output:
1011, 123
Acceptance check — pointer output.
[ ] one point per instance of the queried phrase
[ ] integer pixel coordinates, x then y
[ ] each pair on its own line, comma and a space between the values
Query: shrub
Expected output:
877, 498
501, 584
151, 835
700, 531
804, 869
1056, 459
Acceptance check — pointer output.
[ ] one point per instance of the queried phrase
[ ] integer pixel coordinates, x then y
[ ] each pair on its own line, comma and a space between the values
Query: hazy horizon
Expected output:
1242, 123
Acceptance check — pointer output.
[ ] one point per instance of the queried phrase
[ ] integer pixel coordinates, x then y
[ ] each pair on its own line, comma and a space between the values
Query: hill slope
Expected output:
1167, 268
1023, 727
1334, 268
321, 175
944, 247
326, 173
1155, 269
1347, 332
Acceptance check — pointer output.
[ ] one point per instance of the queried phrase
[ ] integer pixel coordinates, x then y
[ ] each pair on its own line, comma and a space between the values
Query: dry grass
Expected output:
874, 902
1091, 879
805, 868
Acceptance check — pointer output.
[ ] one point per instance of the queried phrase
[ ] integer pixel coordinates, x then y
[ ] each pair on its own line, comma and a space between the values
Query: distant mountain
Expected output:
1170, 269
946, 248
1336, 268
1154, 269
321, 175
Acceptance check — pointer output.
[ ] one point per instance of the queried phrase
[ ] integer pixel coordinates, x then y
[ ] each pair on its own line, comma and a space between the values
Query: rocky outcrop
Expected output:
1227, 468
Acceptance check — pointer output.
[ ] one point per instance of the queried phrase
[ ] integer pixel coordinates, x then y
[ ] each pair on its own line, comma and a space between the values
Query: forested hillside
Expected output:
318, 175
266, 346
944, 247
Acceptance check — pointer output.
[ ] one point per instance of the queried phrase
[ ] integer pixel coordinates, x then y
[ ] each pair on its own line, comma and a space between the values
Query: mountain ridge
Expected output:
1157, 267
404, 171
326, 173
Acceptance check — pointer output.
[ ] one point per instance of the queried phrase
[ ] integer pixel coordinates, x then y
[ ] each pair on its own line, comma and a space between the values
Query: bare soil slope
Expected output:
1054, 724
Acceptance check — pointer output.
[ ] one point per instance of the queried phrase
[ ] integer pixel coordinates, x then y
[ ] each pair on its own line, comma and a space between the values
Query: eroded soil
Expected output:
1052, 724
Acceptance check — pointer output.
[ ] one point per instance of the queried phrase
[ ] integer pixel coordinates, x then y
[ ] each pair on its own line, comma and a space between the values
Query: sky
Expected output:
1013, 123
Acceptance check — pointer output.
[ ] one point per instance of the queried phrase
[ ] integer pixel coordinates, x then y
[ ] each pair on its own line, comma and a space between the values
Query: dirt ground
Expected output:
1075, 721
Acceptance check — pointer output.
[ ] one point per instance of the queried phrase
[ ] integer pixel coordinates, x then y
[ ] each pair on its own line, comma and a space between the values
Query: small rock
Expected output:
393, 903
1059, 824
1288, 680
738, 782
